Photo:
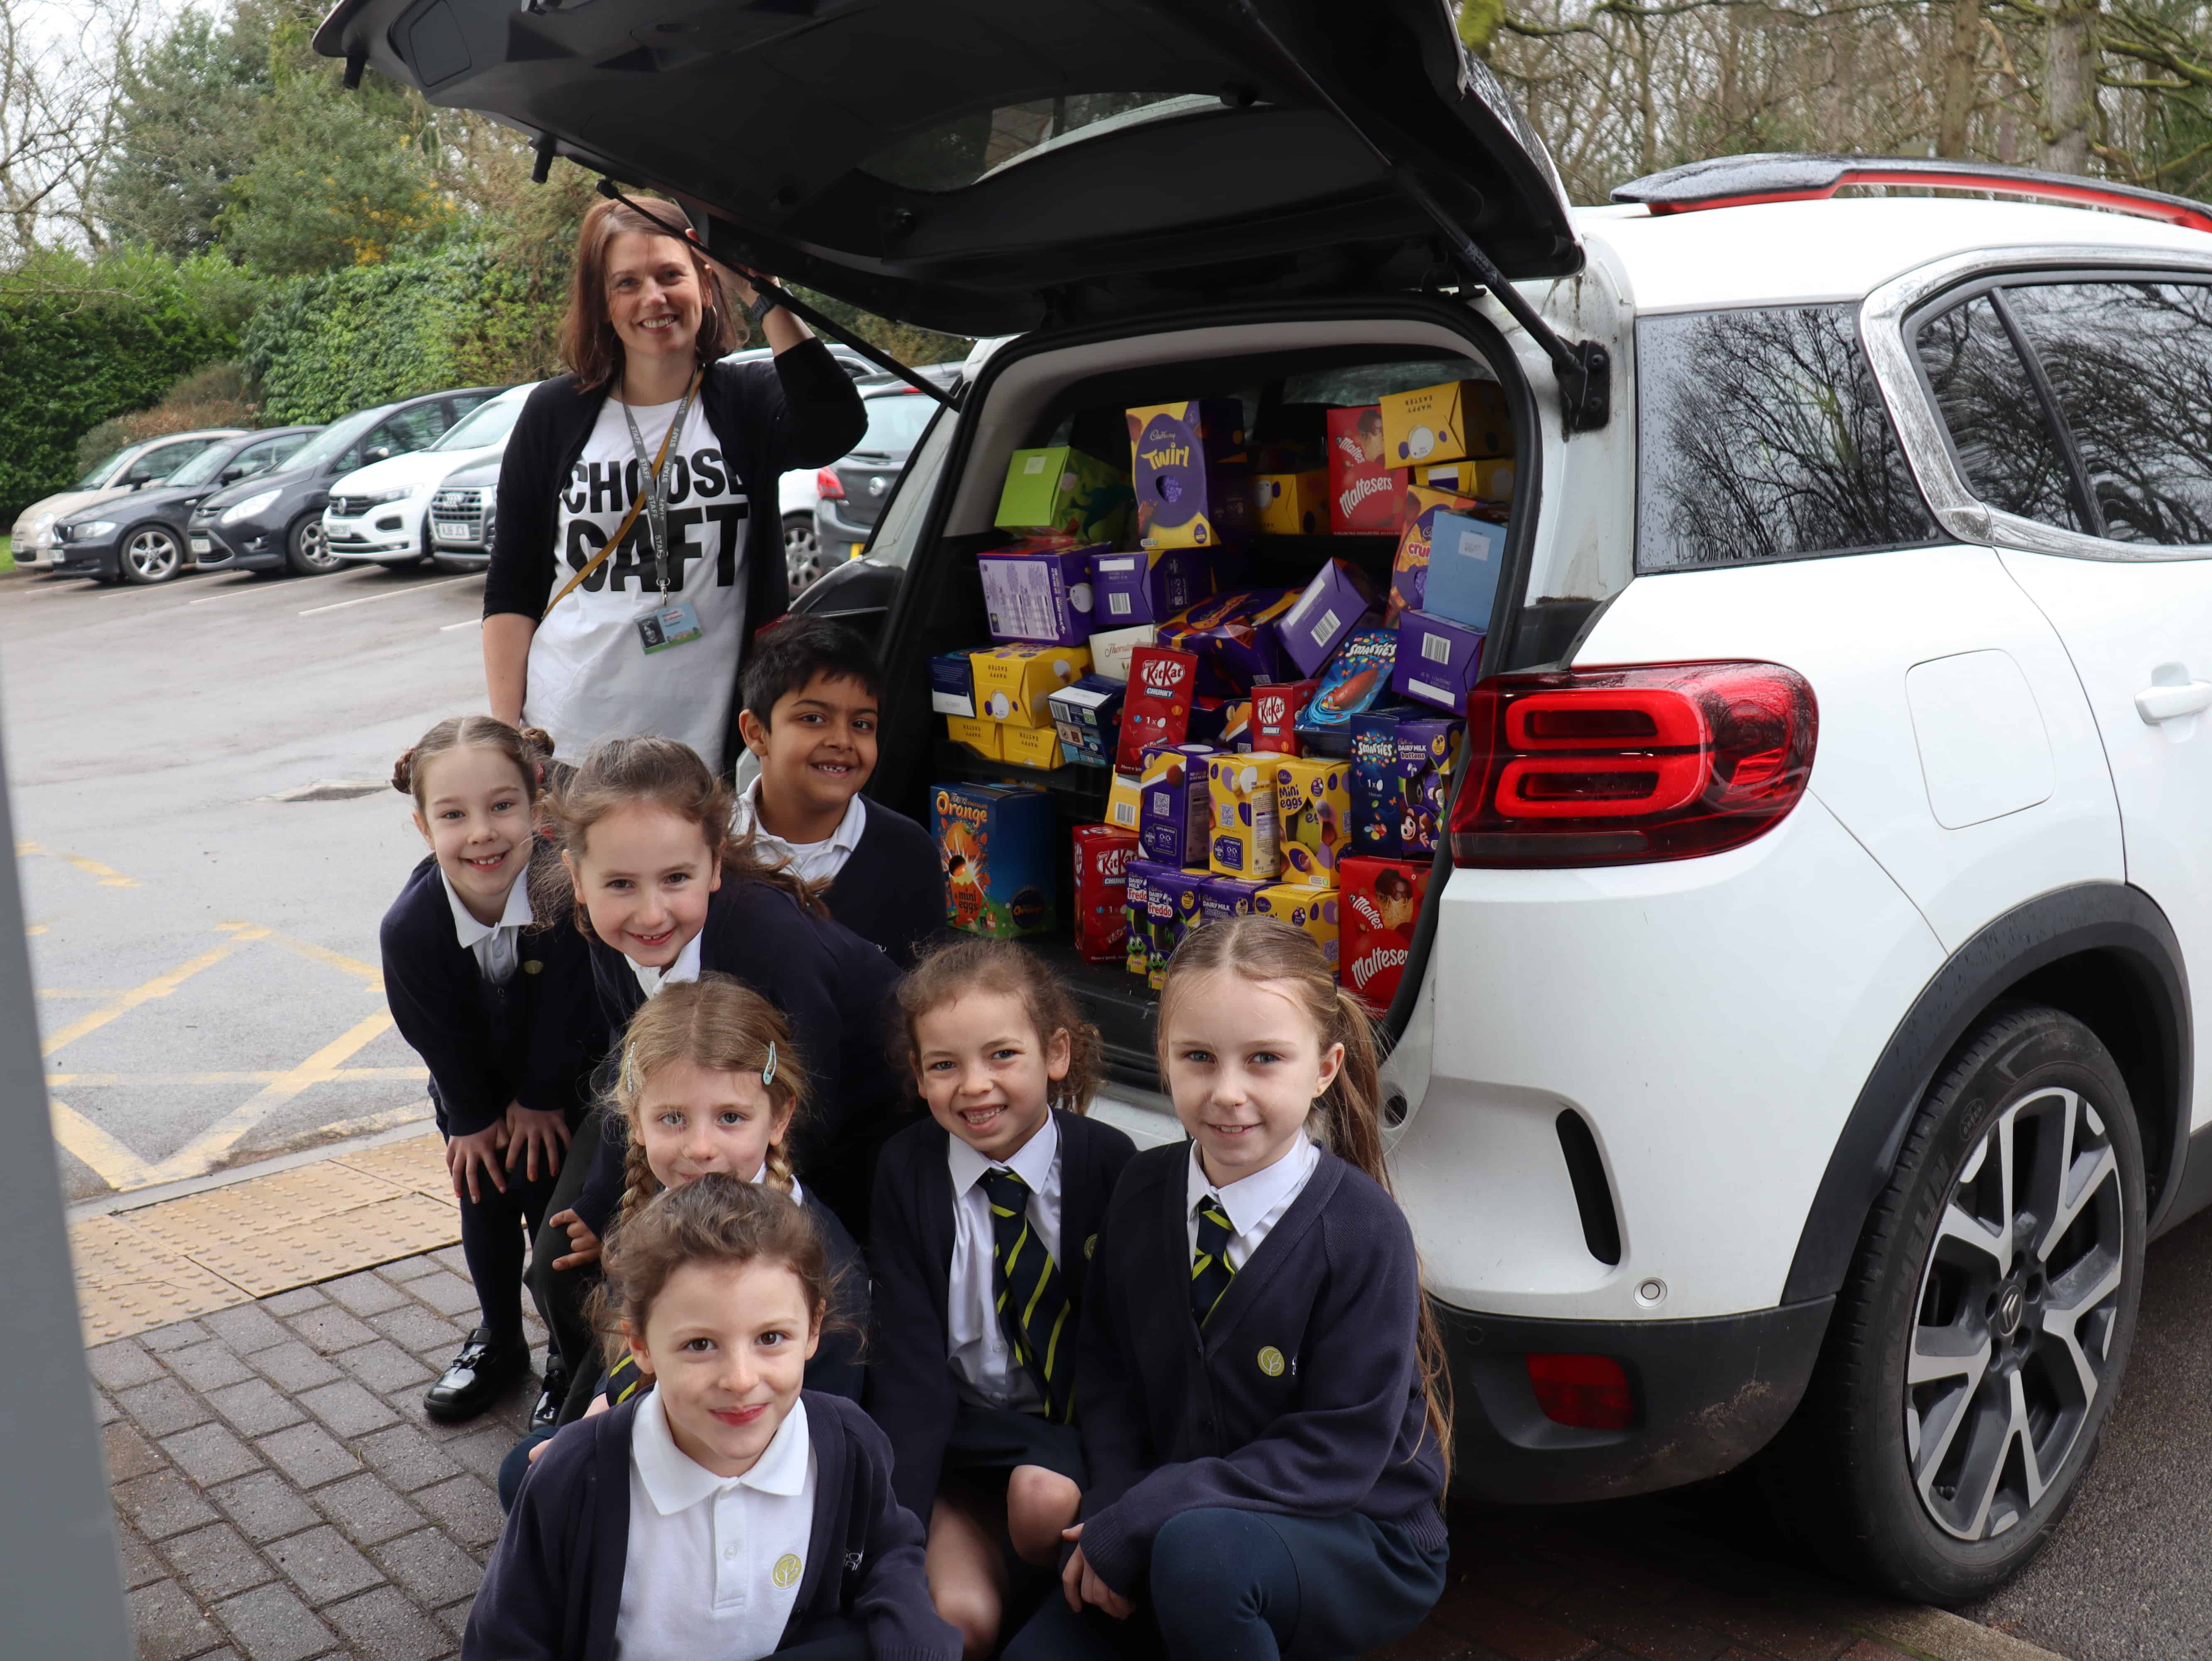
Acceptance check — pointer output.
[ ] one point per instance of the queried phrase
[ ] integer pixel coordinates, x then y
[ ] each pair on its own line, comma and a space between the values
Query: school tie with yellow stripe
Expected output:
1210, 1271
1030, 1295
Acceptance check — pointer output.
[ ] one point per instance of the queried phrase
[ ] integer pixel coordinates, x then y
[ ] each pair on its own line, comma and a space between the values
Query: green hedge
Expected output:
82, 341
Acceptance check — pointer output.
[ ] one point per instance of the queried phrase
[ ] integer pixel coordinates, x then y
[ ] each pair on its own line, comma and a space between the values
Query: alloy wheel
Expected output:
2019, 1302
315, 547
802, 552
151, 556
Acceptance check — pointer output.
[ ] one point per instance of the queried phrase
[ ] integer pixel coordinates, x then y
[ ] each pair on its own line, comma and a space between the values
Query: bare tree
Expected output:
57, 116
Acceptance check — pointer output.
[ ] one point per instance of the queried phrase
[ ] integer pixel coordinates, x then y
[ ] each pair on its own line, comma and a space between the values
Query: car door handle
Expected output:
2159, 704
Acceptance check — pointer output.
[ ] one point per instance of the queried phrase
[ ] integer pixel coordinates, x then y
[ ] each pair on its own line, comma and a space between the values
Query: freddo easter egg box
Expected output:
995, 846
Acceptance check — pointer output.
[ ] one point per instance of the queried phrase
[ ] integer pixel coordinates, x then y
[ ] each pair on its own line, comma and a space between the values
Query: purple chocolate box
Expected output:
1147, 586
1221, 898
1175, 810
1339, 600
1038, 594
1437, 660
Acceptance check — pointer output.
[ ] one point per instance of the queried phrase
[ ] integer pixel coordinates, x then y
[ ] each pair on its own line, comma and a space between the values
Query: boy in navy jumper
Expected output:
984, 1218
1262, 1411
811, 691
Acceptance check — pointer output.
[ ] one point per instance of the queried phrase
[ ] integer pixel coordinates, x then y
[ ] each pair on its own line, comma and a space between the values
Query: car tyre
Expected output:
802, 550
148, 554
307, 548
1981, 1337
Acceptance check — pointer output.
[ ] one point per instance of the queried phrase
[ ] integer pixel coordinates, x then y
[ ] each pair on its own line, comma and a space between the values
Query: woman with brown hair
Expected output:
623, 586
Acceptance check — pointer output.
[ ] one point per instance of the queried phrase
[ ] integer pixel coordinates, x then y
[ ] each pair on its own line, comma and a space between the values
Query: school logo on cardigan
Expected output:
1271, 1361
785, 1572
534, 967
1090, 1247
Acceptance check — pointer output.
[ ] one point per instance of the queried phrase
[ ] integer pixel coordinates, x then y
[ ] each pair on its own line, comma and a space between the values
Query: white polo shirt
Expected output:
1255, 1204
811, 861
715, 1562
983, 1365
685, 968
496, 945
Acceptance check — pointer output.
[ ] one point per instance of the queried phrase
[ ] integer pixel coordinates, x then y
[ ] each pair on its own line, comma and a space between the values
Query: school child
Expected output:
983, 1224
811, 691
728, 1512
1264, 1415
665, 893
710, 1083
491, 1000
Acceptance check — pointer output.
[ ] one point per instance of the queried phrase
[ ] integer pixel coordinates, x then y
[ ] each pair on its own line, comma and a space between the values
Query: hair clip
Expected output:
631, 1081
767, 1067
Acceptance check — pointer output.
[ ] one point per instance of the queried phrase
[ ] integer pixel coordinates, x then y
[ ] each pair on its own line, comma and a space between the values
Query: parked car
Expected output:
142, 538
1796, 1044
380, 513
275, 522
852, 491
131, 468
795, 490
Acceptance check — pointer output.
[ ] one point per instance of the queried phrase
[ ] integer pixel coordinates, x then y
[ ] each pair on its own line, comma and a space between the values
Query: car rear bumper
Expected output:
841, 535
1707, 1394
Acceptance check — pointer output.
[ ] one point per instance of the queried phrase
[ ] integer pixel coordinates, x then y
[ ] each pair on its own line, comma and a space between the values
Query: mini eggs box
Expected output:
1313, 814
995, 846
1313, 909
1190, 471
1354, 681
1061, 488
1446, 421
1241, 791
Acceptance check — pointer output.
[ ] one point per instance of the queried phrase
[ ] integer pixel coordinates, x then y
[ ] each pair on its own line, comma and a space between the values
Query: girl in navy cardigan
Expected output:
728, 1512
1263, 1407
984, 1222
493, 1000
709, 1084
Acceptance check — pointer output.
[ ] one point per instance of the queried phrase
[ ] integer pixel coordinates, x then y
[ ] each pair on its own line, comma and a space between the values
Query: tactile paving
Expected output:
302, 1253
229, 1223
129, 1282
417, 1164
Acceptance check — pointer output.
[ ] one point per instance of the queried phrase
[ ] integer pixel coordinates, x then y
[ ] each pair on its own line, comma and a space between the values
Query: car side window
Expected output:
1762, 435
408, 430
2007, 450
899, 531
257, 457
2129, 366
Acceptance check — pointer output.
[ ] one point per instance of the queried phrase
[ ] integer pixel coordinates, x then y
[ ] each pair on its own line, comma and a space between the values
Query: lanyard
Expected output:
652, 481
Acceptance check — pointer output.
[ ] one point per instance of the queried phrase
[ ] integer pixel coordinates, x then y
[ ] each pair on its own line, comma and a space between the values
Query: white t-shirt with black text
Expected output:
590, 675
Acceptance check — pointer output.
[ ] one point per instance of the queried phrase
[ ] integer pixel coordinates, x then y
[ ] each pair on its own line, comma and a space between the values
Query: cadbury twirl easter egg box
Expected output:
1191, 473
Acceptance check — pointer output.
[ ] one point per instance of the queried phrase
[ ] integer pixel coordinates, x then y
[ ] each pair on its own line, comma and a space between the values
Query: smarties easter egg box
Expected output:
994, 845
1353, 681
1191, 473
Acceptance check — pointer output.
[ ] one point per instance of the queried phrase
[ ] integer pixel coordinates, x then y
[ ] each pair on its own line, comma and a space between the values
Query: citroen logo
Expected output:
2004, 1321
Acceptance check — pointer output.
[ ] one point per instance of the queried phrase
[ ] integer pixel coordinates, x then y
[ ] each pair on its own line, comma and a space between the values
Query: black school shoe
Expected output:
486, 1365
551, 1396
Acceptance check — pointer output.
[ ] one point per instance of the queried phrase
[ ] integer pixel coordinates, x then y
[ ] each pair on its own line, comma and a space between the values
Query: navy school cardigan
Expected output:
835, 990
890, 889
1301, 1397
553, 1589
533, 1040
910, 1385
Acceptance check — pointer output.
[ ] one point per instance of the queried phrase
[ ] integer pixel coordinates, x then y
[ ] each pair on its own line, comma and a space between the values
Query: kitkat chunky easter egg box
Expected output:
994, 845
1162, 685
1102, 892
1364, 489
1191, 473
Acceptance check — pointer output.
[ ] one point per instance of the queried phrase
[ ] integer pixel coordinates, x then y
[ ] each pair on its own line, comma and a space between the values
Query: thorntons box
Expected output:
1038, 593
1062, 490
1444, 422
1172, 822
995, 846
1313, 810
1110, 649
1339, 600
1375, 910
1313, 910
1190, 472
1241, 790
1437, 660
1275, 707
1363, 490
1146, 585
1163, 683
1102, 892
1014, 683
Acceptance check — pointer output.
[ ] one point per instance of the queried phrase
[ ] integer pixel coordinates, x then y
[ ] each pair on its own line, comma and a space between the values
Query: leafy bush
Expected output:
216, 396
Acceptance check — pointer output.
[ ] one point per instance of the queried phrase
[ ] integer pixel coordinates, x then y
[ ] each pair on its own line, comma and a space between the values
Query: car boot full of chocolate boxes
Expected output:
1279, 750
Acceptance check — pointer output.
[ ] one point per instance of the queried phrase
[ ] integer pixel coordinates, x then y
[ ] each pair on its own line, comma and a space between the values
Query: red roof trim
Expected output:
2085, 195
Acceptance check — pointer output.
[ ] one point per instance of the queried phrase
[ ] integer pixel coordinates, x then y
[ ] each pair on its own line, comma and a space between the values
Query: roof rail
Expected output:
1732, 181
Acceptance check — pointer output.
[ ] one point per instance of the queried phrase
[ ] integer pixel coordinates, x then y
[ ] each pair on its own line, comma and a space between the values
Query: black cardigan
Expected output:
1300, 1396
532, 1041
832, 986
891, 888
553, 1589
910, 1386
798, 411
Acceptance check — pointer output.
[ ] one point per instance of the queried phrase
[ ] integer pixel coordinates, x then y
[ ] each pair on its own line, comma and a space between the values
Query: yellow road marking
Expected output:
108, 875
265, 1076
34, 928
25, 850
113, 1163
159, 986
323, 954
80, 992
206, 1150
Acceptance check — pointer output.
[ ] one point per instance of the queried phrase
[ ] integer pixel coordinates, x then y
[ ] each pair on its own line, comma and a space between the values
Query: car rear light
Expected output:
1629, 764
1589, 1392
826, 485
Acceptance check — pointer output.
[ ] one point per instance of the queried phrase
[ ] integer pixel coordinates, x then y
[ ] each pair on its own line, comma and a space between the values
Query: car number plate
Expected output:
450, 530
201, 545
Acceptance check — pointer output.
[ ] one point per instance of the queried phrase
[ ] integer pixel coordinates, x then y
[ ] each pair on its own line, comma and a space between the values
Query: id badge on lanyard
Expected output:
670, 622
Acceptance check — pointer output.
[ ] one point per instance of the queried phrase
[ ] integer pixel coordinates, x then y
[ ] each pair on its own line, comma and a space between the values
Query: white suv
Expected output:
1795, 1049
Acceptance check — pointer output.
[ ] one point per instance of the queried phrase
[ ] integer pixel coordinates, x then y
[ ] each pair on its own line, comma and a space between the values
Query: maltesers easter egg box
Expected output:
1364, 489
1377, 905
1191, 473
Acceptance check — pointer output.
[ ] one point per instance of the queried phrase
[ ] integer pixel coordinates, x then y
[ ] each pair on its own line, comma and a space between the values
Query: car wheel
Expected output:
1979, 1341
307, 547
802, 550
149, 553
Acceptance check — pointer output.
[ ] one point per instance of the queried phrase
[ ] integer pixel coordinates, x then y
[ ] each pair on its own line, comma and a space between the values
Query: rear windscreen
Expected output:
1761, 435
